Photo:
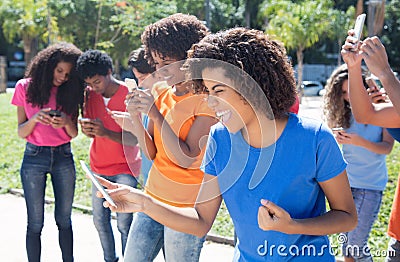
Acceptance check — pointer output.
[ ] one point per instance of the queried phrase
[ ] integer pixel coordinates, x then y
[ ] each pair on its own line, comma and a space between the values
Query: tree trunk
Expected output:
117, 71
339, 59
30, 47
96, 37
247, 14
299, 54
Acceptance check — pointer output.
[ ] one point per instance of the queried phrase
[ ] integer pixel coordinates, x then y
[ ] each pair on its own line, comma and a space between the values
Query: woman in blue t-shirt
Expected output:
272, 168
364, 148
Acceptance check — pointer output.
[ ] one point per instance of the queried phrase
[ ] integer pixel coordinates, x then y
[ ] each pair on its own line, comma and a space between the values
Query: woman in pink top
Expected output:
48, 102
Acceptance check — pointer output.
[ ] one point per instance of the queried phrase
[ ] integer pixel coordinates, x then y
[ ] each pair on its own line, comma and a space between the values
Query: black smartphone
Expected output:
53, 113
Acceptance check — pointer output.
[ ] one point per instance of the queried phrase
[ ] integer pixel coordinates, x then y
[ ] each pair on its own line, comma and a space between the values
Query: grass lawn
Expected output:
12, 150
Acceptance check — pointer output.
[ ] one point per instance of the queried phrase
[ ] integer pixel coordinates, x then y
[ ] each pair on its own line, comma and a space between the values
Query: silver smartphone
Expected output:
131, 84
97, 183
358, 27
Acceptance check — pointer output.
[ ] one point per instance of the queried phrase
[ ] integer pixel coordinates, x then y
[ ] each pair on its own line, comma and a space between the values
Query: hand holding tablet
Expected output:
97, 183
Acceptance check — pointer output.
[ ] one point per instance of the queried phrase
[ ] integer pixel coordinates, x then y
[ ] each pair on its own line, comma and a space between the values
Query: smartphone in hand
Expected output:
84, 119
54, 113
337, 130
358, 27
131, 84
97, 183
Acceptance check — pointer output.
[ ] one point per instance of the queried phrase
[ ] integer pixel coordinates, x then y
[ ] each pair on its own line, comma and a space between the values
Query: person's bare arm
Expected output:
184, 152
383, 147
342, 216
65, 121
374, 55
95, 127
362, 108
26, 126
132, 124
196, 221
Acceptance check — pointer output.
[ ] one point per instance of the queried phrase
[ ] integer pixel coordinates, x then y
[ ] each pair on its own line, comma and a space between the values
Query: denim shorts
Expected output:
367, 203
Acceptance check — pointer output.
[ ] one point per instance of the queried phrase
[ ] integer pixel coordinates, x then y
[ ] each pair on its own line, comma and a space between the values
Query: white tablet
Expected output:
97, 183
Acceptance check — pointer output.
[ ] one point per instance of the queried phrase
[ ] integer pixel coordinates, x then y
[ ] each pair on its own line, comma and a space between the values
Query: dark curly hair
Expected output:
94, 62
172, 36
257, 56
137, 60
41, 71
337, 111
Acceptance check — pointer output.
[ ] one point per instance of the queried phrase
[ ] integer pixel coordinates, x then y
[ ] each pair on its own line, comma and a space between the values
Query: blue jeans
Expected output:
368, 203
57, 161
147, 237
102, 219
393, 251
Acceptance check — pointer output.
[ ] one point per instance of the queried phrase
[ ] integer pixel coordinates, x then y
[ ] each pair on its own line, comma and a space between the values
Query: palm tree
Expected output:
297, 25
340, 22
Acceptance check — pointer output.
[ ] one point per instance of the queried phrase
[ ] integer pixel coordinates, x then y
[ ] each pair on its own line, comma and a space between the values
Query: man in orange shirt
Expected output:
109, 152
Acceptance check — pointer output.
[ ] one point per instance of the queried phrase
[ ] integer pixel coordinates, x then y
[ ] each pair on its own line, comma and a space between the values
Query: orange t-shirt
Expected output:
169, 182
394, 222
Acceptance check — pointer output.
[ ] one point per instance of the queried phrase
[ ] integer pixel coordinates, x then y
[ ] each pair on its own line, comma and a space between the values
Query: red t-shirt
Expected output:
295, 107
108, 157
394, 222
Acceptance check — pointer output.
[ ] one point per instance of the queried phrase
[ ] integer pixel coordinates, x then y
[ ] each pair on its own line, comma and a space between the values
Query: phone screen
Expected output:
358, 27
55, 113
131, 84
336, 129
97, 183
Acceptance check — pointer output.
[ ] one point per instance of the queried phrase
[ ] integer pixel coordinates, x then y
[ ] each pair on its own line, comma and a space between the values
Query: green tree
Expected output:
391, 33
113, 26
297, 25
340, 22
29, 20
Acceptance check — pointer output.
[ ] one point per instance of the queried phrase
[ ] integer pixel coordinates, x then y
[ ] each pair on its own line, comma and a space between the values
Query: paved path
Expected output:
311, 106
86, 243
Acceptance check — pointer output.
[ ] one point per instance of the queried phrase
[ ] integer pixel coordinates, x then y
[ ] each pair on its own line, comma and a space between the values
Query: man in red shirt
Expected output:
114, 154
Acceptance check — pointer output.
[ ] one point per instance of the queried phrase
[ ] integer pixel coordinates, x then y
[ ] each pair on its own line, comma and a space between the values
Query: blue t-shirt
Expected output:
286, 173
395, 133
365, 169
146, 163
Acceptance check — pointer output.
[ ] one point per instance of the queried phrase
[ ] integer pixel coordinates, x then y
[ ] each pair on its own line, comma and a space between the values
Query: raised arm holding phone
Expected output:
374, 54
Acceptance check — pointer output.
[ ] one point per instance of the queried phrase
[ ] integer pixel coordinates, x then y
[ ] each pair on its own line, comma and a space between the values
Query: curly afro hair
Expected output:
337, 111
172, 36
41, 71
257, 56
94, 62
